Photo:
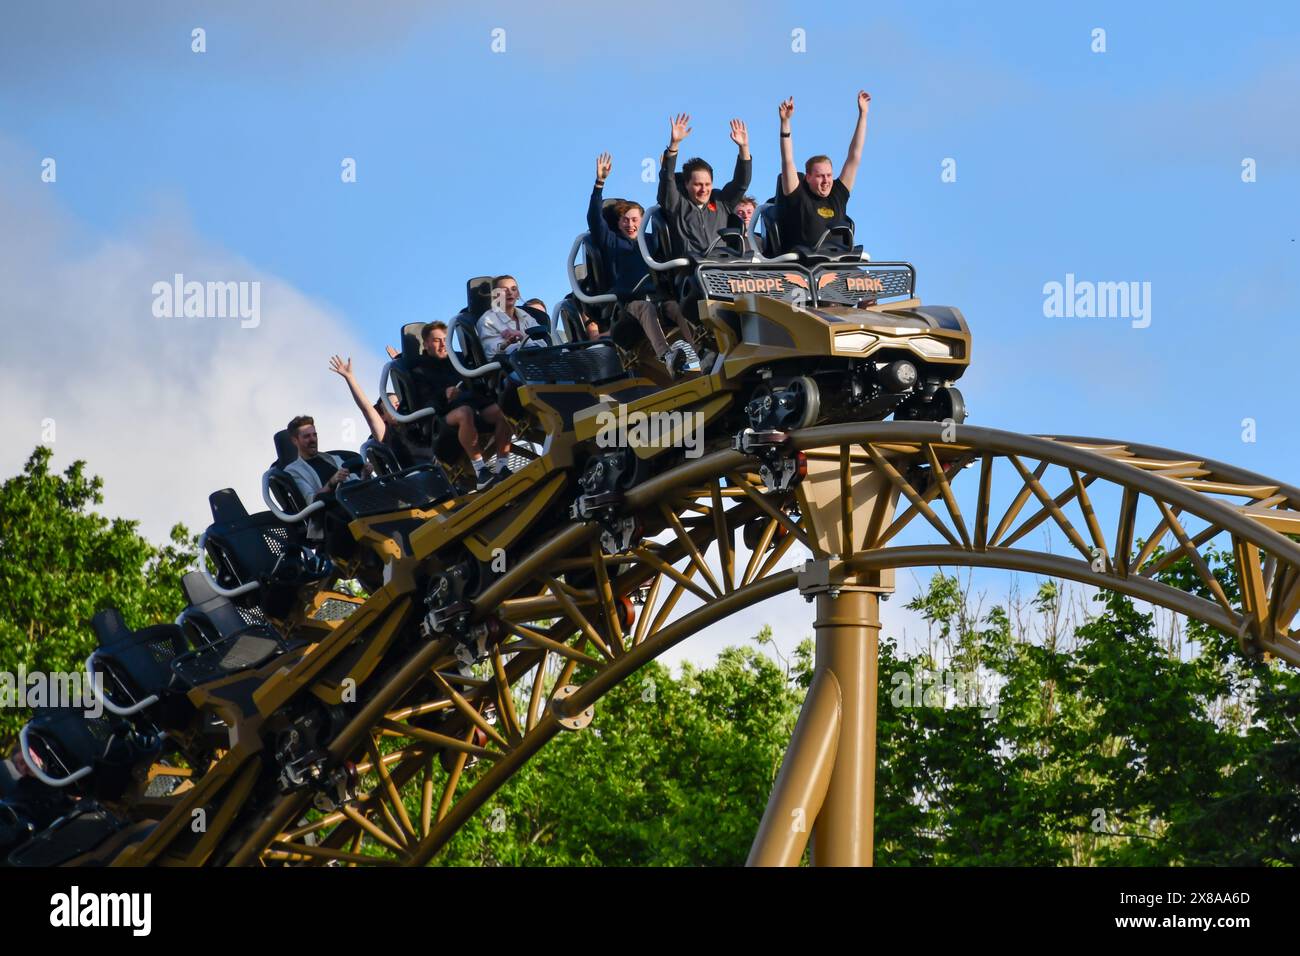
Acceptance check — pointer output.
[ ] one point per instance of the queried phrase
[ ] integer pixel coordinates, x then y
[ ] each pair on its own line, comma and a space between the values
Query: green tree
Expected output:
672, 771
60, 562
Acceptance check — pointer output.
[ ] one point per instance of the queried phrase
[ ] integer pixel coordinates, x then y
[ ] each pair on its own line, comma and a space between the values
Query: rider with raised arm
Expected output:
441, 384
623, 258
695, 214
382, 424
695, 211
617, 246
808, 209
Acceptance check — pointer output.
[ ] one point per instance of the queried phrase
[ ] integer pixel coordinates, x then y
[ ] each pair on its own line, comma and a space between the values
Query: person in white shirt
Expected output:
504, 328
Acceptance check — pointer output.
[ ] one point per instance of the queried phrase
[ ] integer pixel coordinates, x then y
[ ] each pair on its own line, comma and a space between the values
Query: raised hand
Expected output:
604, 163
864, 101
786, 109
678, 128
739, 134
392, 352
340, 367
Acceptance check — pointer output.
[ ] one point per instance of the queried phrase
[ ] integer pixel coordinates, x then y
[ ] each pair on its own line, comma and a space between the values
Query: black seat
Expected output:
95, 754
82, 828
27, 806
595, 277
283, 489
573, 316
380, 457
135, 667
225, 637
770, 236
469, 348
260, 548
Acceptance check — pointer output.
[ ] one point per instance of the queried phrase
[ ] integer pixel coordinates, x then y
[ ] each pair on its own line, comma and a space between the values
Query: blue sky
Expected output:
1115, 166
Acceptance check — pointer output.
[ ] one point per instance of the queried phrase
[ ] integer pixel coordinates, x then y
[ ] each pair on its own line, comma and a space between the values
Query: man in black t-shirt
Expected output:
810, 207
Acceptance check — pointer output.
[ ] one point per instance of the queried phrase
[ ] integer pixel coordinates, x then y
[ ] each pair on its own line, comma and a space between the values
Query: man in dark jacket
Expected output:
622, 257
698, 212
617, 246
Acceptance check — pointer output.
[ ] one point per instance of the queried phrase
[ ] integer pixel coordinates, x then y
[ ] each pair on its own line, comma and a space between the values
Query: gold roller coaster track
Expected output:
431, 745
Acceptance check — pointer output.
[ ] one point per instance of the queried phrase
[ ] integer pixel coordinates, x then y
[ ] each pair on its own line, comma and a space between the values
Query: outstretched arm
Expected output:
789, 175
734, 190
678, 129
849, 171
596, 224
377, 426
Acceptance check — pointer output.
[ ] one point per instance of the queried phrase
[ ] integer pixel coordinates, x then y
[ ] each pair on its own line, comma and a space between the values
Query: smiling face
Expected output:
700, 186
435, 343
306, 441
820, 177
630, 222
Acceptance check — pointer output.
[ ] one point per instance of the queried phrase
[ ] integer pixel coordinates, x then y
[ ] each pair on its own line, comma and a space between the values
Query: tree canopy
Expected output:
61, 561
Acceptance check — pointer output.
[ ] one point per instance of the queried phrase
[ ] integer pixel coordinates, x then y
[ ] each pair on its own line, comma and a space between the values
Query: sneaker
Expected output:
501, 475
484, 477
675, 360
707, 360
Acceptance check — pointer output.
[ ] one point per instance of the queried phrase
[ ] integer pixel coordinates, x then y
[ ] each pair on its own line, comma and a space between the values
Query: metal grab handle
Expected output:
397, 416
311, 509
243, 588
109, 706
40, 774
653, 263
603, 298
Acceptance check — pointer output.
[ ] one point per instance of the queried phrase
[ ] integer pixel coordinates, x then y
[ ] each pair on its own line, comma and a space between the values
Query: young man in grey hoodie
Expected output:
698, 212
695, 213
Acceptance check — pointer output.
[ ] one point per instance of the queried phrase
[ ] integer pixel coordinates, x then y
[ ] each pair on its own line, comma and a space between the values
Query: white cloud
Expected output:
165, 410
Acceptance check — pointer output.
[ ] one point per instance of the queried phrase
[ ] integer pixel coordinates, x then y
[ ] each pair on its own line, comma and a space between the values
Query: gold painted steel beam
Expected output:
800, 789
848, 647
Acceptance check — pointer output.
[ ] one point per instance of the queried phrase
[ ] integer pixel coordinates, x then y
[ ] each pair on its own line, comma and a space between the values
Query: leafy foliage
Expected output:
60, 562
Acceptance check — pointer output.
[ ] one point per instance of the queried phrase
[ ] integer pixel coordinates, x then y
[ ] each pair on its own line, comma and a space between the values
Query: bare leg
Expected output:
502, 433
462, 419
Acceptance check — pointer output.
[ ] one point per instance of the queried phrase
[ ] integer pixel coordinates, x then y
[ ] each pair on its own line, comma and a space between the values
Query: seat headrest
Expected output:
285, 450
478, 295
196, 588
226, 506
412, 346
109, 627
777, 195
